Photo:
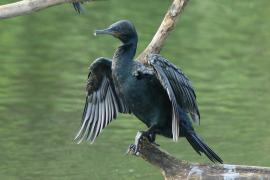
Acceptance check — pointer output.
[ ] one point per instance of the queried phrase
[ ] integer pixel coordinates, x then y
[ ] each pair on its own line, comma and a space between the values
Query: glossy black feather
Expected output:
102, 102
199, 146
167, 86
180, 84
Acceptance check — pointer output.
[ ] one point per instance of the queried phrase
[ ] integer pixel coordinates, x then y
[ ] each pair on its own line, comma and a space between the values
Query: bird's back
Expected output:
144, 95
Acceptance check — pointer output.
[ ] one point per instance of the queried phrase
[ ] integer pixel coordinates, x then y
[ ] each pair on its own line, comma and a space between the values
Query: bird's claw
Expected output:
133, 150
151, 138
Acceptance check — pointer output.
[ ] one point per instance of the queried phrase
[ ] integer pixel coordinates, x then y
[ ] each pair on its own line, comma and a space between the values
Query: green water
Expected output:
223, 46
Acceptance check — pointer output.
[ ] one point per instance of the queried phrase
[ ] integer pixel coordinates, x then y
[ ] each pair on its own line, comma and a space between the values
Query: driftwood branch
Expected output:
174, 169
164, 29
27, 6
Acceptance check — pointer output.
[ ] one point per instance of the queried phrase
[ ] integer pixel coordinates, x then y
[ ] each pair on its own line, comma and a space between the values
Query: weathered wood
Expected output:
164, 29
174, 169
27, 6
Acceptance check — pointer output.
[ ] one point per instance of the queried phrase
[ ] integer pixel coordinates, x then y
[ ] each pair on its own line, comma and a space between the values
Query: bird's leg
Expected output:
149, 134
134, 148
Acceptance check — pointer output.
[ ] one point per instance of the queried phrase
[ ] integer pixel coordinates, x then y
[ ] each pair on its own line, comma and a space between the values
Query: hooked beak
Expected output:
104, 31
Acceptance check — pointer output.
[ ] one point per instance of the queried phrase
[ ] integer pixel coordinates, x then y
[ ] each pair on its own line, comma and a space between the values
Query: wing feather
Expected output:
175, 114
107, 111
99, 120
182, 88
102, 104
109, 106
178, 88
92, 123
102, 118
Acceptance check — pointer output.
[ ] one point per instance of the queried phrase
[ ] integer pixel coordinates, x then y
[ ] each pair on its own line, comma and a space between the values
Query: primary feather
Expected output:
102, 103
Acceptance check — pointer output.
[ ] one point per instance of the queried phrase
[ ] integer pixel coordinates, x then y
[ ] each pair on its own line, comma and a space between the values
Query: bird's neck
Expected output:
123, 56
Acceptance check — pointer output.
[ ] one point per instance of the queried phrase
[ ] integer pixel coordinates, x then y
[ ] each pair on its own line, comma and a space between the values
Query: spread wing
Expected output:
179, 90
102, 102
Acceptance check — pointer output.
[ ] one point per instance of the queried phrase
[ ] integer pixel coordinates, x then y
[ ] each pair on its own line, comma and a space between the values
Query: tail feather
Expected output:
192, 143
200, 147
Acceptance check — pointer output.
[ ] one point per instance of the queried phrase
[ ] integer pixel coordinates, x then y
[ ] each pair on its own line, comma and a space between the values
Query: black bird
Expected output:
157, 93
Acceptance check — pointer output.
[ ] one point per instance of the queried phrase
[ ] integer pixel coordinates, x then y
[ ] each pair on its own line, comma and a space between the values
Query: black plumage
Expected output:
157, 92
102, 103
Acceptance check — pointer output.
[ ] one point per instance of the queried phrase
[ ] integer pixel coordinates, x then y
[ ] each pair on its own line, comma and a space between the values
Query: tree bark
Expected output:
174, 169
27, 6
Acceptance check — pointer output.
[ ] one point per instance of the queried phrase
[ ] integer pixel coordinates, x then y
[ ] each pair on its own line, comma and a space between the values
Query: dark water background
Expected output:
223, 46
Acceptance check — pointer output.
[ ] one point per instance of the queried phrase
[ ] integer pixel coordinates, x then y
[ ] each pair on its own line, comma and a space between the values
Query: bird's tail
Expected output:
200, 147
77, 6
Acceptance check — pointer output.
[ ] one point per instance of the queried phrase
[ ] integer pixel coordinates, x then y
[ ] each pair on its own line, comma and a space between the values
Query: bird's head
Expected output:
123, 30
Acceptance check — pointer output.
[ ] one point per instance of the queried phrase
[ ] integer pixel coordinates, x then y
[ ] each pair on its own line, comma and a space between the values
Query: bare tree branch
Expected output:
27, 6
164, 29
174, 169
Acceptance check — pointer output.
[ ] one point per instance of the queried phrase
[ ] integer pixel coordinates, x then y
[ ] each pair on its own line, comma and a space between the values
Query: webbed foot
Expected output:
151, 136
133, 150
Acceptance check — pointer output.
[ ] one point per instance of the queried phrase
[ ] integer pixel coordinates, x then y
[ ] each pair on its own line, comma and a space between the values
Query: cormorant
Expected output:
157, 93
